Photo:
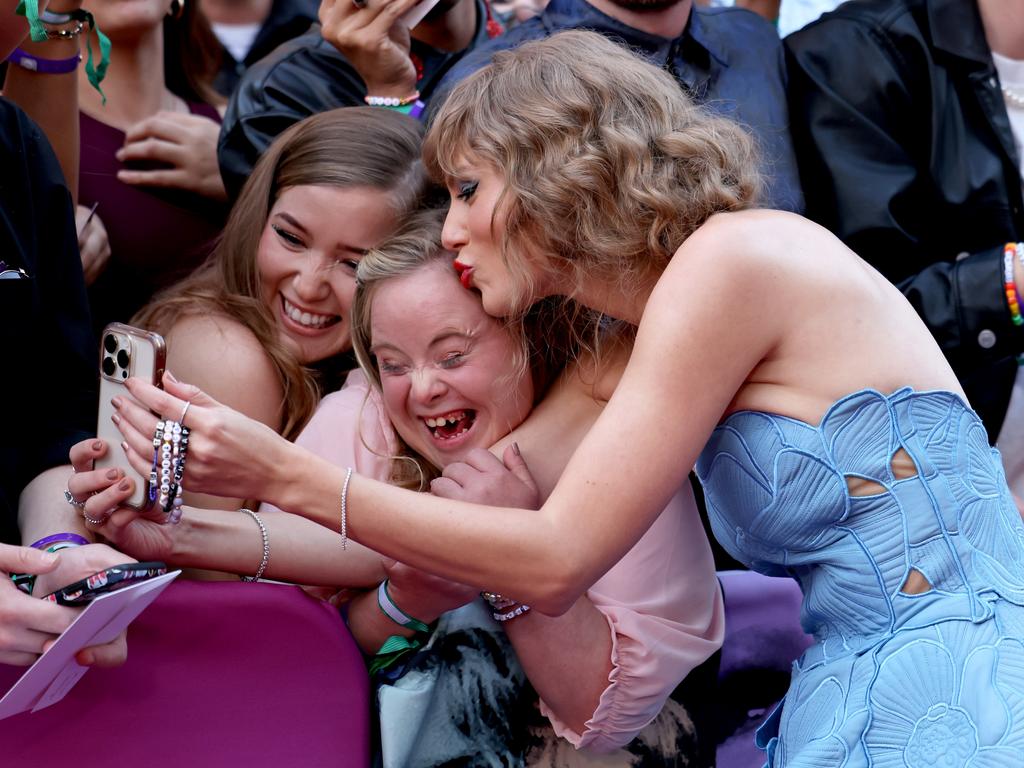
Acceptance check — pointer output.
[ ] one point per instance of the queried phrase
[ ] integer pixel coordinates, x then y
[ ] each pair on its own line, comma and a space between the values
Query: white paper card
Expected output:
55, 672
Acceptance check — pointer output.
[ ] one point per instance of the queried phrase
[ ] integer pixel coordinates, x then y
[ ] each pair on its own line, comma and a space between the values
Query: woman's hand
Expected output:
228, 454
185, 143
375, 40
483, 478
75, 563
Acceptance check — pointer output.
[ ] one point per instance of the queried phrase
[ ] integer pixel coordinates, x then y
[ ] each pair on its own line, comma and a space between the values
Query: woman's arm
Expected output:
51, 100
687, 365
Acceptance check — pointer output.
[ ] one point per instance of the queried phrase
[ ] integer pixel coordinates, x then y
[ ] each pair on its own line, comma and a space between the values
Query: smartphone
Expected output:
126, 351
110, 579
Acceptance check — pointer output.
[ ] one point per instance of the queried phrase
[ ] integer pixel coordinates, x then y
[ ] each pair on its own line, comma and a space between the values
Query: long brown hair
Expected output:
347, 147
192, 54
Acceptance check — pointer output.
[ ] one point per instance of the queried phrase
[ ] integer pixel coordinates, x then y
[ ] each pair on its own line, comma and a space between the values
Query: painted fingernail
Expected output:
515, 449
112, 474
97, 445
116, 402
124, 446
124, 485
116, 418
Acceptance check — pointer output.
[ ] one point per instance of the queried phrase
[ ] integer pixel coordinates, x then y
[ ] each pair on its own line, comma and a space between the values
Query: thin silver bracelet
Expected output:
344, 510
266, 546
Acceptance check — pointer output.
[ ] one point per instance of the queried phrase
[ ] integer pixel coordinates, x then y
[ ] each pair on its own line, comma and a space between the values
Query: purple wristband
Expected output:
417, 109
44, 66
74, 538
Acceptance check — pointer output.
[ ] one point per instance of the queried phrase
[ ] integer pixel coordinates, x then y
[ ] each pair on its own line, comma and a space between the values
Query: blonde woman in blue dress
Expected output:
832, 438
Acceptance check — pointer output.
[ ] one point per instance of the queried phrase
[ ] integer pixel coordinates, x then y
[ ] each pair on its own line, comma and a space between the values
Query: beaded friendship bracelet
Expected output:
499, 604
1010, 250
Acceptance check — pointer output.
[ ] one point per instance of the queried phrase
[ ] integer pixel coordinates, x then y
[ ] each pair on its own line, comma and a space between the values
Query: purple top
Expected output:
157, 236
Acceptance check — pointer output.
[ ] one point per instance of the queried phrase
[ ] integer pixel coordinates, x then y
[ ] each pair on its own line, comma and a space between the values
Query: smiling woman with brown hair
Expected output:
270, 306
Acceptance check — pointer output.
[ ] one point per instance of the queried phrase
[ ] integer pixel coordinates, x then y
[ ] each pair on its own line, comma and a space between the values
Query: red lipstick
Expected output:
465, 274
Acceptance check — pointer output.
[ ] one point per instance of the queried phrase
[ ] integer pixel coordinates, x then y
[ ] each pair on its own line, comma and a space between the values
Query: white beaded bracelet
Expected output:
266, 546
519, 610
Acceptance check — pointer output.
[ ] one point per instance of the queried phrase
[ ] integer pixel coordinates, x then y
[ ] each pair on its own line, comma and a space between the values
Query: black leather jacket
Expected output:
303, 77
905, 152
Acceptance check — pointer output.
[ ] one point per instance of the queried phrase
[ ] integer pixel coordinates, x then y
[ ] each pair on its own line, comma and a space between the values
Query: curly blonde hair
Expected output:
608, 165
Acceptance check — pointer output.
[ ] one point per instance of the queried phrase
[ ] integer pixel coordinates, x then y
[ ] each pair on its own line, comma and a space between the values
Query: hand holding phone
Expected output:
124, 352
84, 591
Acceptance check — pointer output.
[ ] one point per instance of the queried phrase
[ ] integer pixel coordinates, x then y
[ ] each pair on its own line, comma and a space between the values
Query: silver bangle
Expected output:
344, 509
266, 546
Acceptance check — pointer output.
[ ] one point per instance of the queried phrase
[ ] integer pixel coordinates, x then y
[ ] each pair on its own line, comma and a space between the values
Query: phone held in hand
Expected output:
111, 579
126, 351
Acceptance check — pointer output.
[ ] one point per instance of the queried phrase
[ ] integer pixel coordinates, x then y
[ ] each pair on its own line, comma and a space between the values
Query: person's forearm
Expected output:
567, 659
42, 509
538, 568
51, 100
368, 624
300, 551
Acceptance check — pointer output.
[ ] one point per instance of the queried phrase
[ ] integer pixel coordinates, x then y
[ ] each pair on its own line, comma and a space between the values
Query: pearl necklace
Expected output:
1013, 98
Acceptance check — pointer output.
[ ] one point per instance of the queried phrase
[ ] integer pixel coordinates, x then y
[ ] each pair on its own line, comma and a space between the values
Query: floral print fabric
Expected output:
894, 680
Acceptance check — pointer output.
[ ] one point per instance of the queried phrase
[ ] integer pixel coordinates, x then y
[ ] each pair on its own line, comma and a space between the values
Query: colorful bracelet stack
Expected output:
1010, 251
501, 606
48, 25
170, 448
407, 105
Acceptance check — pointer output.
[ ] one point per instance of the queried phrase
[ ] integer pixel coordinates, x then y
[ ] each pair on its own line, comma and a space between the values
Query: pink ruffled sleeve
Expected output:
349, 429
666, 616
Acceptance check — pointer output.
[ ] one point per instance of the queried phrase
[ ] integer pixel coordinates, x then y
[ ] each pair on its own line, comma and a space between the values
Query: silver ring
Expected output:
91, 521
72, 500
181, 419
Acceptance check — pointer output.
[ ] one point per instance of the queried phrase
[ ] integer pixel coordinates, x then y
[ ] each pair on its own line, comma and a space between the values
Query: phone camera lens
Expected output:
124, 374
122, 358
108, 366
110, 343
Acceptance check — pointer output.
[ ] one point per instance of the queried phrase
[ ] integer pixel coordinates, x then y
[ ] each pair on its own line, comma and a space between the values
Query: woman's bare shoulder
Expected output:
224, 358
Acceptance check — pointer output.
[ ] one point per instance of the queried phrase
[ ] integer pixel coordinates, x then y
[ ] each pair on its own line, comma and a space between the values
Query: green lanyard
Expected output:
30, 10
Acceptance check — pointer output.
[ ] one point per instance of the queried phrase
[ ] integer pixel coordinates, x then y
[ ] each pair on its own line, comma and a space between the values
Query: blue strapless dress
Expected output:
915, 681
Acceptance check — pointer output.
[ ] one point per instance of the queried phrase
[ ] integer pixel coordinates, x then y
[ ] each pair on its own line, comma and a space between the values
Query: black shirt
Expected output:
48, 386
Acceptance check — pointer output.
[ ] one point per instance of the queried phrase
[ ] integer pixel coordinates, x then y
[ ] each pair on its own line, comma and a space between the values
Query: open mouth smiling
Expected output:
448, 426
306, 319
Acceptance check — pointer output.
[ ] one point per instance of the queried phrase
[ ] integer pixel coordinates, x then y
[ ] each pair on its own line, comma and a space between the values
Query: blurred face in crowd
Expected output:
448, 374
307, 258
126, 19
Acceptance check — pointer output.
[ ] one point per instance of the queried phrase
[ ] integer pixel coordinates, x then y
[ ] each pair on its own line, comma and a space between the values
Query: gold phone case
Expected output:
126, 351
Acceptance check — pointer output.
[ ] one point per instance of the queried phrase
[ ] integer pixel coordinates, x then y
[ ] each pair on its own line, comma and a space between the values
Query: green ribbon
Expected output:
30, 10
395, 648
